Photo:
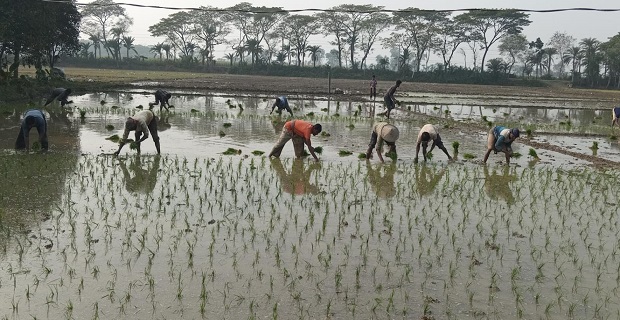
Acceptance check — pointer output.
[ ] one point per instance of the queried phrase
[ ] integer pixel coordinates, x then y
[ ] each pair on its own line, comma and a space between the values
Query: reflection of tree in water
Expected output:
427, 178
382, 182
497, 185
298, 180
145, 174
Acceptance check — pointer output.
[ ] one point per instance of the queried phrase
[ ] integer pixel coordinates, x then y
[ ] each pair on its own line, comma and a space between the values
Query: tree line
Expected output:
267, 36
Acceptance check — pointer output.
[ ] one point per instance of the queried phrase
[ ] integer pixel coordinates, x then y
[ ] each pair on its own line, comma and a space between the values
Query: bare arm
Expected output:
417, 151
380, 156
311, 149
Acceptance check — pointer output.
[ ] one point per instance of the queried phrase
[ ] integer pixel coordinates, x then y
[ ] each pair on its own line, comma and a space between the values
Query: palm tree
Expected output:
85, 47
383, 63
230, 56
287, 50
314, 51
96, 39
166, 47
240, 52
128, 44
157, 50
592, 58
281, 57
550, 52
574, 56
254, 48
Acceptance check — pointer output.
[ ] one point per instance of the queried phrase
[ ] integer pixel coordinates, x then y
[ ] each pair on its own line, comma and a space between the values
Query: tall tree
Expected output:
562, 42
490, 26
102, 15
298, 29
514, 46
377, 23
549, 53
573, 56
422, 27
157, 49
353, 19
96, 39
178, 30
450, 36
537, 54
254, 22
611, 54
128, 44
211, 27
591, 59
331, 24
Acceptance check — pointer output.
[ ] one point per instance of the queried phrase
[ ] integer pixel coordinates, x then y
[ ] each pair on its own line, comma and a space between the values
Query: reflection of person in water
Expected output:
427, 178
144, 178
497, 186
296, 182
383, 185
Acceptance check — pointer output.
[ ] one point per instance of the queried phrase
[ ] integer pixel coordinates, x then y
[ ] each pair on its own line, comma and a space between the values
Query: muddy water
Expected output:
196, 234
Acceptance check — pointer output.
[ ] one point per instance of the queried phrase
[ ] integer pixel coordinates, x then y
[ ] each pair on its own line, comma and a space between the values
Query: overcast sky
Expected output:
579, 24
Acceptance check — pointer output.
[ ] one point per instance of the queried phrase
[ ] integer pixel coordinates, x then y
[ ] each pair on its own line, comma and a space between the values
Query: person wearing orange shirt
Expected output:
300, 132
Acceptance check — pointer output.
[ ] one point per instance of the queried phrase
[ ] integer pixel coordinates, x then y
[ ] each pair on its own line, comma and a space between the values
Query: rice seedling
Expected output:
532, 153
344, 153
227, 124
109, 127
469, 156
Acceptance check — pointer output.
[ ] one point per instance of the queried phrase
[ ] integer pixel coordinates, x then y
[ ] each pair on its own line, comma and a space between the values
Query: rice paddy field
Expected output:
214, 229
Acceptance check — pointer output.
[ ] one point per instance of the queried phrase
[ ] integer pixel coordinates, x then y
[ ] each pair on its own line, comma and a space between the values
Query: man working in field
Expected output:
60, 94
615, 116
300, 131
282, 104
429, 133
390, 102
500, 139
142, 123
382, 132
32, 118
161, 98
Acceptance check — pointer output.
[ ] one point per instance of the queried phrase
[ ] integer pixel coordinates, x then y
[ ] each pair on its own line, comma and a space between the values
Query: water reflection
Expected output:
497, 183
381, 178
427, 178
141, 174
297, 181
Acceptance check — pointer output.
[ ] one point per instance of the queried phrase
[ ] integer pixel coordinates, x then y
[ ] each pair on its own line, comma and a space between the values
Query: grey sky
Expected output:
579, 24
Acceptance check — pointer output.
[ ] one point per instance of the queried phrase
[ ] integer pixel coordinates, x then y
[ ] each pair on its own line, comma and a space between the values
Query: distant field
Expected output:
116, 75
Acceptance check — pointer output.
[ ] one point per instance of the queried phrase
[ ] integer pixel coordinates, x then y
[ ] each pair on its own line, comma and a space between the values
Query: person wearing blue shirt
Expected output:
500, 139
615, 115
282, 104
32, 118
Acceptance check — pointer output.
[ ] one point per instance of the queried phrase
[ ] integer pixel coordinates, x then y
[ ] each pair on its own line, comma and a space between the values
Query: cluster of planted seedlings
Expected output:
233, 237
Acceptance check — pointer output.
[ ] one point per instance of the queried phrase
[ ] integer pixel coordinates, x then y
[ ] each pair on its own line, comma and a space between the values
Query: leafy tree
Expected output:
422, 27
549, 53
611, 54
377, 23
211, 27
100, 16
331, 24
178, 30
450, 36
254, 48
299, 28
254, 23
167, 48
85, 47
496, 66
490, 26
538, 52
37, 33
514, 46
383, 62
562, 43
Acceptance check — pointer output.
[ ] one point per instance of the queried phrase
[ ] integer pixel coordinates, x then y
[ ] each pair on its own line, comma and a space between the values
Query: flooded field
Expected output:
194, 233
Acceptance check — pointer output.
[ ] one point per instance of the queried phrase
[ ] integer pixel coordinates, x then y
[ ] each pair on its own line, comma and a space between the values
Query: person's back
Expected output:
33, 118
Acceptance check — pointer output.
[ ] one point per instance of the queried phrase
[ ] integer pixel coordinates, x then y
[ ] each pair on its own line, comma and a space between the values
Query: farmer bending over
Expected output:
282, 104
32, 118
500, 139
161, 98
142, 122
300, 131
382, 132
427, 133
60, 94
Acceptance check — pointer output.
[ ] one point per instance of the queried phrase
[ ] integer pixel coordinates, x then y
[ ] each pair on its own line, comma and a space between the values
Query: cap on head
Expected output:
515, 132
